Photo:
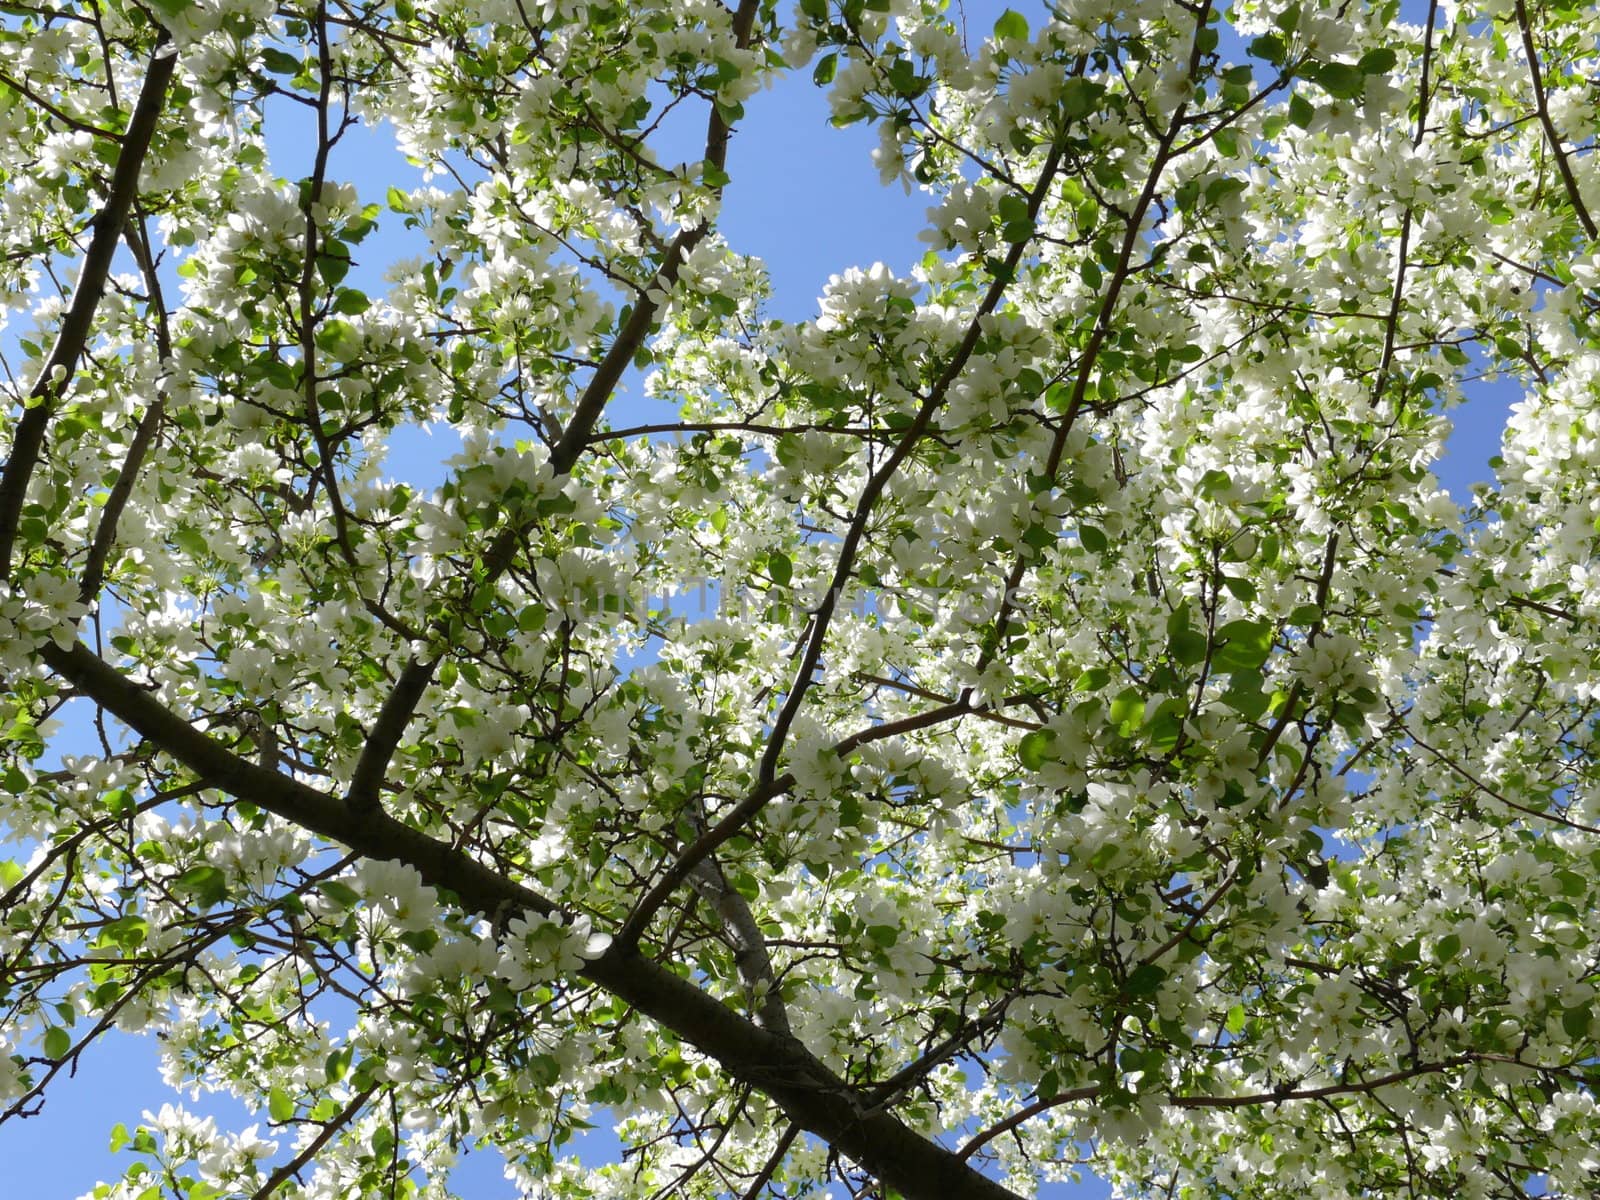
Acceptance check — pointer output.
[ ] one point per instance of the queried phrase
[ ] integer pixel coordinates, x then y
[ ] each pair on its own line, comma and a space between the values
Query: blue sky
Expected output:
808, 201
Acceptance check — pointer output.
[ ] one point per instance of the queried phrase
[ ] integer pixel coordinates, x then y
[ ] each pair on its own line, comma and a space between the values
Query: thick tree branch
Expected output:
750, 955
811, 1094
59, 367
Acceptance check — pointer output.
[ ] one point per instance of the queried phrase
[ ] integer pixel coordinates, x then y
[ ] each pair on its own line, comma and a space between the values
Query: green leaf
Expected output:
1127, 711
1301, 111
1235, 1021
1448, 947
1038, 536
127, 931
57, 1042
1242, 645
192, 541
1377, 62
850, 812
1165, 725
1245, 693
206, 884
278, 62
1269, 47
338, 1064
280, 1105
1222, 187
340, 339
1080, 97
1093, 539
1577, 1021
827, 67
1339, 79
1187, 646
1240, 587
1146, 980
780, 567
1092, 679
341, 894
1570, 883
350, 302
332, 265
1035, 748
119, 802
1011, 24
383, 1142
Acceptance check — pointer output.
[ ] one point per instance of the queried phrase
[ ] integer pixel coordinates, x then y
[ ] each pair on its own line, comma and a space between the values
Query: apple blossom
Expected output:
1039, 714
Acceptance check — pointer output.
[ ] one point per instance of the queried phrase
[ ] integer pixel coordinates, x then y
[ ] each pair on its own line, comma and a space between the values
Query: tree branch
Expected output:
1568, 180
338, 1122
1097, 339
812, 1095
144, 434
366, 783
845, 564
56, 374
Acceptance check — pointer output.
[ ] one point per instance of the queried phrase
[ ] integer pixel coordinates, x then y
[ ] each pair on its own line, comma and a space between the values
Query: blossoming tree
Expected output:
1113, 748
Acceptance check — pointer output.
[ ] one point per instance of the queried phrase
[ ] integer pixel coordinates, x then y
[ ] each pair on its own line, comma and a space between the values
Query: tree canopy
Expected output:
1111, 747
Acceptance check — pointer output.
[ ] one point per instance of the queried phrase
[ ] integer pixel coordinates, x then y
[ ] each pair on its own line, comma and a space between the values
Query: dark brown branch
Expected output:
812, 1095
1357, 1087
144, 434
366, 782
1548, 610
1024, 1114
1563, 165
1194, 920
774, 1161
59, 367
1097, 339
1480, 785
60, 114
295, 1164
805, 674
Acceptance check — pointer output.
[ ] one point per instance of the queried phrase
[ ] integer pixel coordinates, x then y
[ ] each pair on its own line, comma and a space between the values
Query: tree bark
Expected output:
810, 1093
